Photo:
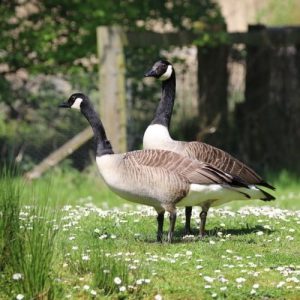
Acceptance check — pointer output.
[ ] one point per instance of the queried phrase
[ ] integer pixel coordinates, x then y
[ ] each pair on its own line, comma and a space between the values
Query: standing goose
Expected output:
158, 178
157, 137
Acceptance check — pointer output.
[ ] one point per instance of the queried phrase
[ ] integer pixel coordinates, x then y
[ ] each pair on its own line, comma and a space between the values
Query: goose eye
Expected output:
163, 68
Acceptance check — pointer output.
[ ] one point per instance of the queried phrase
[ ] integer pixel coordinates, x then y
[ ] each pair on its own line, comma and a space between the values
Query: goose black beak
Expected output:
150, 73
64, 105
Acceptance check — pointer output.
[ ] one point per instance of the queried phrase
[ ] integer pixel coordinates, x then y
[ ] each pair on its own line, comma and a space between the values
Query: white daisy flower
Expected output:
122, 288
280, 284
208, 279
17, 276
253, 292
240, 280
93, 292
117, 280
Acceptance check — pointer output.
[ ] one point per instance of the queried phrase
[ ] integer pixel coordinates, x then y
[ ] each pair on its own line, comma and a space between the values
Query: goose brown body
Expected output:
162, 179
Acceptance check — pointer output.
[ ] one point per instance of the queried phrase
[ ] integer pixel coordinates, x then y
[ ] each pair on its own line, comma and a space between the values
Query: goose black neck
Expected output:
103, 145
165, 107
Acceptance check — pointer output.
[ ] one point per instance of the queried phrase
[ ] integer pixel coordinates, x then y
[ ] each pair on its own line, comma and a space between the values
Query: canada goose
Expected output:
158, 178
157, 137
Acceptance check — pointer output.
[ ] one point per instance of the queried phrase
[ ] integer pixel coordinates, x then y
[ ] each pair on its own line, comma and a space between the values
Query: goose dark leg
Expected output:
203, 215
172, 226
188, 215
160, 225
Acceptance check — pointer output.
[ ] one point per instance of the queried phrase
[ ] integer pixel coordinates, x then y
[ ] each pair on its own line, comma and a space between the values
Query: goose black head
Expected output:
161, 70
75, 101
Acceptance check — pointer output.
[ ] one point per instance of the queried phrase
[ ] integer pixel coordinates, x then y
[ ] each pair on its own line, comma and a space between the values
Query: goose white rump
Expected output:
217, 194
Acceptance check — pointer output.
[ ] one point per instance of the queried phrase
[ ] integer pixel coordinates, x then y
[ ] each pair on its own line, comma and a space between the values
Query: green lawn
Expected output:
95, 245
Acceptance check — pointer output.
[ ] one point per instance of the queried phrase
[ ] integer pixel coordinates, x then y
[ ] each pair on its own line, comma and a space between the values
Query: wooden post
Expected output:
110, 42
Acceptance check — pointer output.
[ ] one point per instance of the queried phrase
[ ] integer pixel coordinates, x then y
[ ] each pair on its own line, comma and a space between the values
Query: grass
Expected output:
77, 240
27, 239
9, 213
73, 188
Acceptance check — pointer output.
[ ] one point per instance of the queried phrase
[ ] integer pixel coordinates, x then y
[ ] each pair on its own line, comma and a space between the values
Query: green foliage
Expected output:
33, 126
59, 37
47, 36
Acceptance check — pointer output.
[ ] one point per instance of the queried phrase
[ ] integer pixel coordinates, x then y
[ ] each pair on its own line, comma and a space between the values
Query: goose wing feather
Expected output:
192, 171
222, 161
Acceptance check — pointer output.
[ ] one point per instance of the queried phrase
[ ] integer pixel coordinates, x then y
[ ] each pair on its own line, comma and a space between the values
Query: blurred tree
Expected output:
58, 37
50, 36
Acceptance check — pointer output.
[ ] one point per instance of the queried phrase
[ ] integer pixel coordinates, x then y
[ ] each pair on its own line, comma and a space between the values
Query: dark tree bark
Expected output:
268, 121
212, 82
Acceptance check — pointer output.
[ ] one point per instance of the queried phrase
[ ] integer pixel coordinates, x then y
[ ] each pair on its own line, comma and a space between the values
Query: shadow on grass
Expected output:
212, 233
240, 231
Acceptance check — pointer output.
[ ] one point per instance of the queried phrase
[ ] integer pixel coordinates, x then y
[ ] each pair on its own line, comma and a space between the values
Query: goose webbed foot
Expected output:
188, 215
172, 226
160, 225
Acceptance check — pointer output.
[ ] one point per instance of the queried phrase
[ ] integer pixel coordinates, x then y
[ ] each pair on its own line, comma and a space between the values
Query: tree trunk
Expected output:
212, 82
112, 85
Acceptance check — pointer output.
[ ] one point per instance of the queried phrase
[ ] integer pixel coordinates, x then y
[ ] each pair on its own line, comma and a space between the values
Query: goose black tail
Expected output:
239, 182
268, 197
267, 185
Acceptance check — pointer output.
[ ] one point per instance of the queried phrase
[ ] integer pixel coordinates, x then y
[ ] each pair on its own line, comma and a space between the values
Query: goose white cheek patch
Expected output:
167, 74
76, 104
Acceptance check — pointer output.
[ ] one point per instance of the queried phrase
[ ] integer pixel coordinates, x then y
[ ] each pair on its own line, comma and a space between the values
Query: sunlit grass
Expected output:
27, 242
74, 187
63, 187
72, 246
